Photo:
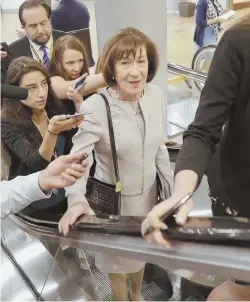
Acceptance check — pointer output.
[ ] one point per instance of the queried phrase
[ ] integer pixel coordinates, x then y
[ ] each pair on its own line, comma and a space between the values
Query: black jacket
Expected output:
22, 140
225, 100
19, 48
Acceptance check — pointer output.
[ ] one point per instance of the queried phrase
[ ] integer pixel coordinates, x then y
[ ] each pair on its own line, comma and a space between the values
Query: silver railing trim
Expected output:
214, 259
188, 72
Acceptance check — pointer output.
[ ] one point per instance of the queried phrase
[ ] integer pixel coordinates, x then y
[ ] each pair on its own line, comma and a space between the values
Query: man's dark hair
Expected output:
30, 4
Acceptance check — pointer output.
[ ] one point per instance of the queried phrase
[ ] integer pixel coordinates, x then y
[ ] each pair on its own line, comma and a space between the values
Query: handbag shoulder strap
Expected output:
112, 144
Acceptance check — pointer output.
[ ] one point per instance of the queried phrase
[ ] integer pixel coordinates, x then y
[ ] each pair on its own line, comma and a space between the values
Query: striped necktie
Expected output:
46, 60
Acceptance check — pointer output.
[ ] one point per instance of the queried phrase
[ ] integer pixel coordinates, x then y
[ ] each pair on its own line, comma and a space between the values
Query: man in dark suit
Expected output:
34, 16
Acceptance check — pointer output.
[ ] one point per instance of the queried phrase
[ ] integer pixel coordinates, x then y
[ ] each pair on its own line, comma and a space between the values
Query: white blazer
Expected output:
137, 161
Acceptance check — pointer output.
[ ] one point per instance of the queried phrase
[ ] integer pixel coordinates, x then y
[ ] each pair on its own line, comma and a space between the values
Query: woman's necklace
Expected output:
137, 110
38, 126
41, 131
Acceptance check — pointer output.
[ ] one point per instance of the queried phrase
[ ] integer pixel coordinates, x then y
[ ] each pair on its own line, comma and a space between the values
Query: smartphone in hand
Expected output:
78, 83
78, 114
83, 157
171, 211
5, 47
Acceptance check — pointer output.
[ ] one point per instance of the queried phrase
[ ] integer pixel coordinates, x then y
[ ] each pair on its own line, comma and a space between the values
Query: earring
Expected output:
113, 78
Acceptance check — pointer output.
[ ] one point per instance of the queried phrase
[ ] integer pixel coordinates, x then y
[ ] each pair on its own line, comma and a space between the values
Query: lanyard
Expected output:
37, 55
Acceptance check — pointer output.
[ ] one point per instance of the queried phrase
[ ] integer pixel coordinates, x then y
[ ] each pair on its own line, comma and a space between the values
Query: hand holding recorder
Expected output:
4, 50
154, 223
78, 83
74, 94
63, 172
60, 123
74, 211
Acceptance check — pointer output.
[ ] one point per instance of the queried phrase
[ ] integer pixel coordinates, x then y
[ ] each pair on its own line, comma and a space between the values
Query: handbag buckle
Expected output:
118, 187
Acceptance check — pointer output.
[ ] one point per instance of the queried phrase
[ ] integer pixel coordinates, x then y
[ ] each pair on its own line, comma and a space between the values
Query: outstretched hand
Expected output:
153, 219
62, 172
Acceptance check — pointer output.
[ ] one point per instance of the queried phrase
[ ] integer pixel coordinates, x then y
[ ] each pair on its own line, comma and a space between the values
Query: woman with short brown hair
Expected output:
126, 42
129, 62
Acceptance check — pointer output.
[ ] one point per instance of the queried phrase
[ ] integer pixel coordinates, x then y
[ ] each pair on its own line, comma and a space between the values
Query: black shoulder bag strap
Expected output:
114, 155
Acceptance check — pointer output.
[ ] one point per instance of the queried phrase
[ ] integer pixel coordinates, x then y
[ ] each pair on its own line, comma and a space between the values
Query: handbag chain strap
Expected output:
112, 144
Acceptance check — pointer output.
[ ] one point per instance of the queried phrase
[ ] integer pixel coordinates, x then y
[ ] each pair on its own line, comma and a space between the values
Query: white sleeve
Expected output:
19, 192
162, 156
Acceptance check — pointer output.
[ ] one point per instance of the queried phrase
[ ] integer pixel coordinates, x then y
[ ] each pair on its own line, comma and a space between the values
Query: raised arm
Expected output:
91, 85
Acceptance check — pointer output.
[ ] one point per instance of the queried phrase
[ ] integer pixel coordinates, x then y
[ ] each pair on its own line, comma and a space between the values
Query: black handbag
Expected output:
163, 187
103, 198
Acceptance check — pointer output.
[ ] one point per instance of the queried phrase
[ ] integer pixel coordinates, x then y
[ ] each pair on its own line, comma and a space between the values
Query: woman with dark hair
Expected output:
218, 143
34, 131
69, 62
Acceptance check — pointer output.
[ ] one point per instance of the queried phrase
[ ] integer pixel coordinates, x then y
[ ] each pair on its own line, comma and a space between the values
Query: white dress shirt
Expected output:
37, 47
20, 192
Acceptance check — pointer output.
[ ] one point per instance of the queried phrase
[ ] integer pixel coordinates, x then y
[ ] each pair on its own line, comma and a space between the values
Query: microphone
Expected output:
13, 92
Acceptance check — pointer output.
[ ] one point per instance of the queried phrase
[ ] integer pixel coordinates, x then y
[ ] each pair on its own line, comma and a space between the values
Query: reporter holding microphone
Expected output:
35, 130
217, 143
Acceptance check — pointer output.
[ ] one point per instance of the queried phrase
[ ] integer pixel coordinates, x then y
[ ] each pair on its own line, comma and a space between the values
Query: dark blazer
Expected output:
200, 22
22, 140
224, 153
19, 48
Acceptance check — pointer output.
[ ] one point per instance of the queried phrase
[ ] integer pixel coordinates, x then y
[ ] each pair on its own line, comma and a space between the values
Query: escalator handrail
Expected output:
186, 255
36, 221
189, 73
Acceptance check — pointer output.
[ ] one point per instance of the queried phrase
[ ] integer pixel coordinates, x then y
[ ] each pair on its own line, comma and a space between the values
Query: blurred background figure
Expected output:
207, 23
71, 15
